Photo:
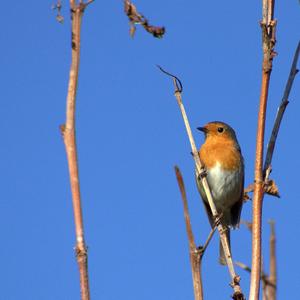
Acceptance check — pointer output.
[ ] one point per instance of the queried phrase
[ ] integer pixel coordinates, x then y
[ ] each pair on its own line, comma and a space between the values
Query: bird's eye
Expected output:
220, 129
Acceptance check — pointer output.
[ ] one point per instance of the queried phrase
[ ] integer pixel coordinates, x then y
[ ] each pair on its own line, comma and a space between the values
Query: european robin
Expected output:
224, 164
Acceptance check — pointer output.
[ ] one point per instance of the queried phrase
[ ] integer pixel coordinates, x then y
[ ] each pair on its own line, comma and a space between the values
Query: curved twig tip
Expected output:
177, 81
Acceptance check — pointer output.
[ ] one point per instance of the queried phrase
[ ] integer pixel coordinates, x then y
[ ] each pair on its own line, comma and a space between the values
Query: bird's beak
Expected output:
203, 129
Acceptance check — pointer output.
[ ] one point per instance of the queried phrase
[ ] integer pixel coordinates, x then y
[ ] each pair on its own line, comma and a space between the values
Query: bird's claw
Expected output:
217, 220
203, 173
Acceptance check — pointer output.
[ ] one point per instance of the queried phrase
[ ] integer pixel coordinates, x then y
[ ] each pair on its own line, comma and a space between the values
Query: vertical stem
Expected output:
68, 131
196, 262
268, 41
258, 191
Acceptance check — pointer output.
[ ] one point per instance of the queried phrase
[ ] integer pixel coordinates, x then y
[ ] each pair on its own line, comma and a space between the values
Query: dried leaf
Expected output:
58, 7
60, 18
136, 18
157, 32
132, 30
246, 197
271, 188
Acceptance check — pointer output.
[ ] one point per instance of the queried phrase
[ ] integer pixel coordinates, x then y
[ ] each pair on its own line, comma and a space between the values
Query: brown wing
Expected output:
209, 214
204, 200
236, 209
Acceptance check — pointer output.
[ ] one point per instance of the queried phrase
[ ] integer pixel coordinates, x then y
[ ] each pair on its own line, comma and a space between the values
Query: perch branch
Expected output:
199, 169
69, 137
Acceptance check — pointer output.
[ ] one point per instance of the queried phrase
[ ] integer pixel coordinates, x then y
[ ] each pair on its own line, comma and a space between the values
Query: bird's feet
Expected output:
202, 174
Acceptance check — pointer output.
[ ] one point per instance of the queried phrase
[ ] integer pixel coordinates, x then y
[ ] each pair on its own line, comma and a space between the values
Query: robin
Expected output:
224, 164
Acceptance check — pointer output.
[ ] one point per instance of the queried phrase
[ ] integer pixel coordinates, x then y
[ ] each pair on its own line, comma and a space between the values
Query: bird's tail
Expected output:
222, 259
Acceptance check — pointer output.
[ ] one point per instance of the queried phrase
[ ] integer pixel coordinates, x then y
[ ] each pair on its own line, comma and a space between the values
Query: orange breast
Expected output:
220, 150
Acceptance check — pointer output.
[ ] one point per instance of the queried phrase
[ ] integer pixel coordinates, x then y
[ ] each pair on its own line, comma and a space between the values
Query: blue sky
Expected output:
130, 135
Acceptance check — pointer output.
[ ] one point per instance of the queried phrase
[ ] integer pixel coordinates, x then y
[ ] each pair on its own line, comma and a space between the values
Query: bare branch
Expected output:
202, 175
269, 283
272, 287
69, 137
263, 277
178, 84
204, 247
195, 253
268, 26
243, 266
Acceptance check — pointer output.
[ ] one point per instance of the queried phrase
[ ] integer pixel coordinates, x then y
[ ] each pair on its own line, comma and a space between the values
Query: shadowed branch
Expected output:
281, 109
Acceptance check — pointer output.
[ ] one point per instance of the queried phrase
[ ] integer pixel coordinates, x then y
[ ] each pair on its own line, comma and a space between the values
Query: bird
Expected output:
221, 156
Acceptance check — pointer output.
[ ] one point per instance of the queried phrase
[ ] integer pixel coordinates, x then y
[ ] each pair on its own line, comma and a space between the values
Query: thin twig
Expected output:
211, 234
281, 109
68, 133
178, 84
195, 253
200, 172
268, 26
263, 276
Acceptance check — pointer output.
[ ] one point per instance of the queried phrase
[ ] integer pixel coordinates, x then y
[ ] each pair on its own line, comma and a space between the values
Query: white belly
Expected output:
225, 186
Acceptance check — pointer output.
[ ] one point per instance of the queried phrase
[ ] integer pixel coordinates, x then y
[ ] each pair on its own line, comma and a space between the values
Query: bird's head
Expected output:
218, 130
